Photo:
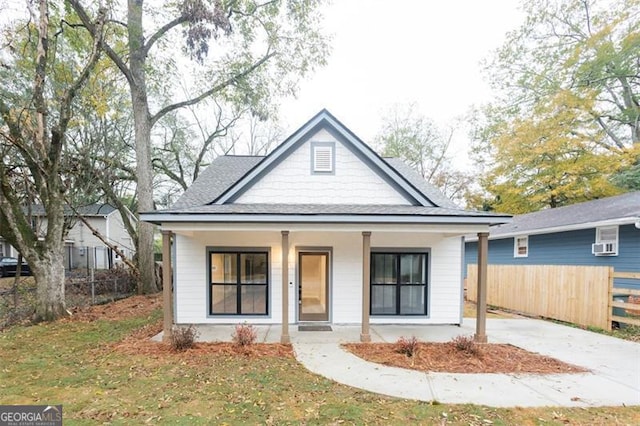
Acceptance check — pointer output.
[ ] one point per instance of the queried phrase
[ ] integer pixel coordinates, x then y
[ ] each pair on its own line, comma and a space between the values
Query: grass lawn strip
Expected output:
93, 369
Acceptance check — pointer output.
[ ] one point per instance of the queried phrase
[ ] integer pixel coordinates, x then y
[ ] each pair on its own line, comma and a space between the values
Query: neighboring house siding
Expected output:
346, 274
292, 181
80, 241
567, 248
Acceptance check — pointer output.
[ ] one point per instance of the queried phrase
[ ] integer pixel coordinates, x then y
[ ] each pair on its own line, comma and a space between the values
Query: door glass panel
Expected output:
313, 287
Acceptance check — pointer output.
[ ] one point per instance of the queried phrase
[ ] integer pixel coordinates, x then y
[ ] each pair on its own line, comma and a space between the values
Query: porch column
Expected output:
167, 287
366, 285
285, 288
481, 314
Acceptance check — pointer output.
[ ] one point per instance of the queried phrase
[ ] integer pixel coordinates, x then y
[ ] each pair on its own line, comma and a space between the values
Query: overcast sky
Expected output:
404, 51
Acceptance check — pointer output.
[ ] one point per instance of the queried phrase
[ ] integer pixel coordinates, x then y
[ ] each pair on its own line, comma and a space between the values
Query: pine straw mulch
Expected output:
130, 307
140, 343
445, 357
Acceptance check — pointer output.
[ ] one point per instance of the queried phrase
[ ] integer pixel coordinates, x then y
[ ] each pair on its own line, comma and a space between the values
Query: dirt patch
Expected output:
134, 306
445, 357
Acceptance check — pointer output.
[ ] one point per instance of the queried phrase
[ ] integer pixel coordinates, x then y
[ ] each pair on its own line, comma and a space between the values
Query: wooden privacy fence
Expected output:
630, 295
575, 294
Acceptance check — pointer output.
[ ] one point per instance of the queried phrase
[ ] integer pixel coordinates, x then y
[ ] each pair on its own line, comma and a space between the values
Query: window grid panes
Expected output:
239, 283
399, 284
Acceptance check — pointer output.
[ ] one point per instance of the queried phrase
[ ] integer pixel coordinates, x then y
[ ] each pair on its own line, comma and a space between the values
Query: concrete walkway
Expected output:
614, 364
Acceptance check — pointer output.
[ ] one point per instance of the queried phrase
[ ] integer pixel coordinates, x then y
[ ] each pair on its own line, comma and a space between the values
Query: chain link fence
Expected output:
18, 297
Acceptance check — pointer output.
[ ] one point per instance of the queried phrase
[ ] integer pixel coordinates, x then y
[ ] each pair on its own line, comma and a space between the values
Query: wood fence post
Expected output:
610, 299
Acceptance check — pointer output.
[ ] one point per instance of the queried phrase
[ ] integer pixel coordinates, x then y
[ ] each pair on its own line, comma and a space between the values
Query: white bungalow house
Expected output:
321, 230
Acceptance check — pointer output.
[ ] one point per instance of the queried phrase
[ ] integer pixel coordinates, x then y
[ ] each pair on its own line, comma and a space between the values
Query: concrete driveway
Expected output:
614, 364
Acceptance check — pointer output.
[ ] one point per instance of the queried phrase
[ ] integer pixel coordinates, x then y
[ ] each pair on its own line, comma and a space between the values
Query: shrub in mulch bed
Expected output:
183, 338
244, 335
407, 345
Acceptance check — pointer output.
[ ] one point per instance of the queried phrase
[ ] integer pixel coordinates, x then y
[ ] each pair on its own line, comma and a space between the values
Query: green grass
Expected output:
69, 363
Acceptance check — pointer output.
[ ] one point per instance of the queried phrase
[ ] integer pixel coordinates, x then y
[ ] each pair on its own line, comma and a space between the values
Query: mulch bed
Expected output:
139, 343
134, 306
445, 357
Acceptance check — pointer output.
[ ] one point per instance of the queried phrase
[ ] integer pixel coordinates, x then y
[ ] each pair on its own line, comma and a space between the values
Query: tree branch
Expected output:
211, 91
162, 31
86, 21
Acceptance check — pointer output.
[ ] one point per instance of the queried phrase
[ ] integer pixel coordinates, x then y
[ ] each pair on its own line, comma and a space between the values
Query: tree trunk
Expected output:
48, 272
142, 126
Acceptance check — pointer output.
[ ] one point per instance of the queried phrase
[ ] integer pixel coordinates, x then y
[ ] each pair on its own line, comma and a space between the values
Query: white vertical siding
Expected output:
292, 182
346, 274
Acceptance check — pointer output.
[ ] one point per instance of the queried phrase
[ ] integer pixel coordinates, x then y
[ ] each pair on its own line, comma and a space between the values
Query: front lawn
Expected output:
94, 368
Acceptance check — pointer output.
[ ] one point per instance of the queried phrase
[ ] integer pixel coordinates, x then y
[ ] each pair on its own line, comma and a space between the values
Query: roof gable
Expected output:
325, 121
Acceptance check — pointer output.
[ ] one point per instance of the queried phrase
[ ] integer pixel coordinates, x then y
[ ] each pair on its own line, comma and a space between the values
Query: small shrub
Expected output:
244, 335
465, 344
407, 345
183, 338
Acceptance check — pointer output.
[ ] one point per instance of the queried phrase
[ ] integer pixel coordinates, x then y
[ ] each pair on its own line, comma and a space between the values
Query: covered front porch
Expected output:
350, 300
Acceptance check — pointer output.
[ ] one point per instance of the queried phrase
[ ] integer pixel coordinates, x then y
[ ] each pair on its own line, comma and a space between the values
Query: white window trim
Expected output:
616, 241
515, 245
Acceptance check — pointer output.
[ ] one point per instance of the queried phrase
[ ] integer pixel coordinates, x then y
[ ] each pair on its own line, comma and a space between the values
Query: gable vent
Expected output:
323, 159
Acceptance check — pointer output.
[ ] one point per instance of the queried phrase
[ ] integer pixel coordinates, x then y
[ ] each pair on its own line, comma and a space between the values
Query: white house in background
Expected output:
320, 230
82, 248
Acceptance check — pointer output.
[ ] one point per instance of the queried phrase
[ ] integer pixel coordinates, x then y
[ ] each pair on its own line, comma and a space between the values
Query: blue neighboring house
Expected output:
604, 232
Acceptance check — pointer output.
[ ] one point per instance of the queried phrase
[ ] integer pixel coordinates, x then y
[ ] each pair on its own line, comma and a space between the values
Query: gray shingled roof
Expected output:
224, 171
621, 206
98, 209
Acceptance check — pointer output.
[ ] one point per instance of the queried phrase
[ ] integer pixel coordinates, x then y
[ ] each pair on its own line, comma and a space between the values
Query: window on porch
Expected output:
399, 283
239, 283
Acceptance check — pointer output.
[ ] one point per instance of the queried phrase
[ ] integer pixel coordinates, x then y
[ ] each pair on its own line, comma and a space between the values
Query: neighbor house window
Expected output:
399, 283
322, 157
239, 283
521, 246
606, 241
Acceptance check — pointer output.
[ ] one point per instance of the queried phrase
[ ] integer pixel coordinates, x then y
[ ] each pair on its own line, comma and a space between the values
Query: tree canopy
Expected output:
422, 145
566, 125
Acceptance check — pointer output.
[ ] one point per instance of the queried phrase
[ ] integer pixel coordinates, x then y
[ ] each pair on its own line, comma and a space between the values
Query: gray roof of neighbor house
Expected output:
97, 209
625, 206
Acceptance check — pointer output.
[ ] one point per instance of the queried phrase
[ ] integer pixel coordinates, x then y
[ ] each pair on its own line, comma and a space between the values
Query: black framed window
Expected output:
399, 283
239, 283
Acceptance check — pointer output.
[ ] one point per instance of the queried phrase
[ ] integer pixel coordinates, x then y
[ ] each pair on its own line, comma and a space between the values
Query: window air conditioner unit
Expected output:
603, 249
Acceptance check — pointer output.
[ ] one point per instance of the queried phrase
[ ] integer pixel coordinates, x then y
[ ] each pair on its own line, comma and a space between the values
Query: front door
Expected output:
313, 291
